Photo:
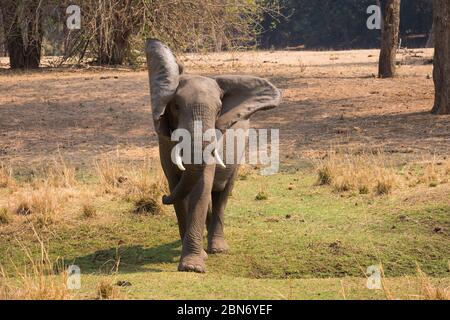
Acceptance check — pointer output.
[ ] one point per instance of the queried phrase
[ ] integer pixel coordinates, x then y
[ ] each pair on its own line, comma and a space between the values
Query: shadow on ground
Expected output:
129, 258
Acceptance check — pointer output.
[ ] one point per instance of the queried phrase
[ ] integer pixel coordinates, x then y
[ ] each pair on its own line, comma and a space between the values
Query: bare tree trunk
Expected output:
115, 24
441, 71
389, 38
23, 53
120, 47
430, 40
2, 35
34, 37
13, 34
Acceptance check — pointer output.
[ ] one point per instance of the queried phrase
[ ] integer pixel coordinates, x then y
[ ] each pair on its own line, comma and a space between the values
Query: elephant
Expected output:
199, 192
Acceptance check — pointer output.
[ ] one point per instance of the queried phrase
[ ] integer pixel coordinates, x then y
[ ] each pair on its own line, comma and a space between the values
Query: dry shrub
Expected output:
111, 174
6, 177
147, 205
61, 175
361, 172
262, 195
430, 175
325, 173
141, 183
385, 182
107, 291
5, 216
44, 203
145, 187
244, 172
40, 280
88, 210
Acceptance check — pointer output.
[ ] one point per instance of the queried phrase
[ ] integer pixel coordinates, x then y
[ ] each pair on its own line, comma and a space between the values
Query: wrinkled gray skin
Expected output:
200, 193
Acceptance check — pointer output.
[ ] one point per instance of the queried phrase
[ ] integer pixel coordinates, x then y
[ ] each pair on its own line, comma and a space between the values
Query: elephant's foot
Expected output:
218, 245
192, 263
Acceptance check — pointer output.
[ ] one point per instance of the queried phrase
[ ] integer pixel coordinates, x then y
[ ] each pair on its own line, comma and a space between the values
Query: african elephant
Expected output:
199, 192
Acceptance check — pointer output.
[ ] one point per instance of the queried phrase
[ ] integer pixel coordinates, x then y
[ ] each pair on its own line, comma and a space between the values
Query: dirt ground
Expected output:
331, 99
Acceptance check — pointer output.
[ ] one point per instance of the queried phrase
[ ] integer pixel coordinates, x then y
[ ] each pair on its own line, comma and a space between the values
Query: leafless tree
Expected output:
112, 27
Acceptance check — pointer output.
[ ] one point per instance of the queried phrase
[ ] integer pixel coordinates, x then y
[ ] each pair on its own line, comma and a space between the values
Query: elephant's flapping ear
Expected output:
243, 96
164, 72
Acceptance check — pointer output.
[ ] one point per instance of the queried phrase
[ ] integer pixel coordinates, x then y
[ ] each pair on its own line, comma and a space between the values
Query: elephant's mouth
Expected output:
178, 159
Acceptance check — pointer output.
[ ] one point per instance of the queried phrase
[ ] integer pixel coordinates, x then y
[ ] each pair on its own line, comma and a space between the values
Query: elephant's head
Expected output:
178, 100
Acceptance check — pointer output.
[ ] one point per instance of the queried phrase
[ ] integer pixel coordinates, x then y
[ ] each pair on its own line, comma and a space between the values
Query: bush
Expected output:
89, 210
5, 216
262, 195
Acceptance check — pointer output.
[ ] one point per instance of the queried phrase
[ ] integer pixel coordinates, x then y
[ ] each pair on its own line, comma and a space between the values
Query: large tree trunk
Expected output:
441, 71
389, 38
24, 53
13, 34
114, 52
34, 36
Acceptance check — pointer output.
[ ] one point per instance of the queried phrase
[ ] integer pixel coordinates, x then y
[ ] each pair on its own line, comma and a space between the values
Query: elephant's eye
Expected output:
176, 107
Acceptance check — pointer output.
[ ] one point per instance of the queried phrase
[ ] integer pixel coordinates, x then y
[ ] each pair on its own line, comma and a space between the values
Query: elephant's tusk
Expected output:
218, 159
178, 160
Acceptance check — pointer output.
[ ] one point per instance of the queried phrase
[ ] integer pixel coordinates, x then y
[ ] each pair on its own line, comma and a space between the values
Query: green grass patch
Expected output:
300, 242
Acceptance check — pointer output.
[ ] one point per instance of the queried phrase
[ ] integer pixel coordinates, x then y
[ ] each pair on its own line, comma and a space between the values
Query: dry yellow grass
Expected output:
372, 172
61, 175
42, 279
430, 172
44, 203
141, 183
106, 290
145, 187
245, 171
447, 167
56, 194
363, 173
5, 216
435, 172
6, 178
110, 173
424, 289
89, 210
386, 180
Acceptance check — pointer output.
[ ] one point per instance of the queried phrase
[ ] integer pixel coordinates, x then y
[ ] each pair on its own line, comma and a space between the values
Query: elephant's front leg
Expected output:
192, 255
181, 209
216, 237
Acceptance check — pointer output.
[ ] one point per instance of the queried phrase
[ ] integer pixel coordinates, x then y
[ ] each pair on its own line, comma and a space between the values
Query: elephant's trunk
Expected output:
191, 173
188, 179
